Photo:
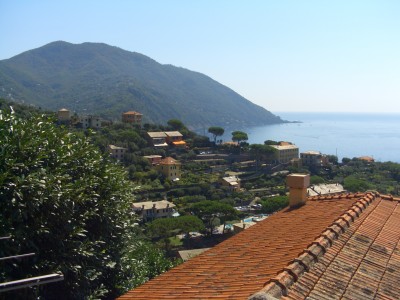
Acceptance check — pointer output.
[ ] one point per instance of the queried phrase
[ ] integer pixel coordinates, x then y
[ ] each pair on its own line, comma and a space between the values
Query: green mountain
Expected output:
92, 78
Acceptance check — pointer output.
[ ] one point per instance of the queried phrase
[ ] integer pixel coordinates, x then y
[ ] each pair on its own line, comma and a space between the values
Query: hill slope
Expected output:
100, 79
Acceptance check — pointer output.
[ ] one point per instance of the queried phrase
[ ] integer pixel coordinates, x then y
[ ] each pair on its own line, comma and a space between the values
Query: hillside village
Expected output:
175, 169
194, 196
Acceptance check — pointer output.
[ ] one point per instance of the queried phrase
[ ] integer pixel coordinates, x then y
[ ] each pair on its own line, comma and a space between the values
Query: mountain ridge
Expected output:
96, 78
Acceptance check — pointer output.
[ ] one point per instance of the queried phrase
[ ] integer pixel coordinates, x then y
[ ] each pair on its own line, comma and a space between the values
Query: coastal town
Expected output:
174, 198
181, 169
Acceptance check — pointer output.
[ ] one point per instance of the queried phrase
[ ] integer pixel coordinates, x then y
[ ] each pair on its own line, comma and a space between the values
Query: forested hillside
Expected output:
101, 79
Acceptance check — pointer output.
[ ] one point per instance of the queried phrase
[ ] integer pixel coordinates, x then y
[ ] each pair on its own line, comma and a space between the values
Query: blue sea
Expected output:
342, 134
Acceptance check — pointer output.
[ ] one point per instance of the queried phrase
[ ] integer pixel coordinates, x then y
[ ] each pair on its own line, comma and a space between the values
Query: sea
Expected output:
341, 134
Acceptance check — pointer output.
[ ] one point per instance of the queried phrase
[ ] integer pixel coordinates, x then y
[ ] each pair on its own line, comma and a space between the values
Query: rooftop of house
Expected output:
231, 179
173, 133
169, 161
152, 156
357, 257
189, 254
157, 134
132, 113
113, 147
285, 147
367, 158
311, 152
282, 143
343, 246
150, 204
325, 188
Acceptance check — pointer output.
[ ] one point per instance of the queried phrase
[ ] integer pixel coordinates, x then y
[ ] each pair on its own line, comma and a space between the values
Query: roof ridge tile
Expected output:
279, 285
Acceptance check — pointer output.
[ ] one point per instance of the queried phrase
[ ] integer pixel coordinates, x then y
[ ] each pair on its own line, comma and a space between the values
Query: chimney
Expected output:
298, 184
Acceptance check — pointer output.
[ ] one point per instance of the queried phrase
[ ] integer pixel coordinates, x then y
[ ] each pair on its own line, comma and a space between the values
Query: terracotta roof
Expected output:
363, 262
132, 113
367, 158
282, 143
169, 161
241, 265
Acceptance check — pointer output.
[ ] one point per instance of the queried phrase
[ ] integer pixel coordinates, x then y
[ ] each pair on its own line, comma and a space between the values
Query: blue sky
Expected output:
283, 55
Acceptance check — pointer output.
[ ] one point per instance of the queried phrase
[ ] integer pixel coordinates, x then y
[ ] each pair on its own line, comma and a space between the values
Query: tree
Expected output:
216, 131
176, 124
315, 179
239, 136
259, 150
162, 229
333, 159
345, 160
142, 263
273, 204
209, 211
354, 184
271, 142
63, 200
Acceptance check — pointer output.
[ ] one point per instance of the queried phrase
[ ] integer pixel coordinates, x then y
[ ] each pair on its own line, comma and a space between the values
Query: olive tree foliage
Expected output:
61, 199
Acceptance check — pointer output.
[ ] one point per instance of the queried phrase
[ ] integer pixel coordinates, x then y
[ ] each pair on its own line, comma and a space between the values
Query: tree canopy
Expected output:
239, 136
162, 228
208, 211
216, 131
176, 124
64, 201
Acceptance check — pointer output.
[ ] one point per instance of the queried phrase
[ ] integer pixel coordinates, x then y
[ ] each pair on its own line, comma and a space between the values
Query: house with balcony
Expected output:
175, 139
313, 159
232, 182
149, 211
89, 121
158, 139
117, 152
170, 168
285, 152
132, 117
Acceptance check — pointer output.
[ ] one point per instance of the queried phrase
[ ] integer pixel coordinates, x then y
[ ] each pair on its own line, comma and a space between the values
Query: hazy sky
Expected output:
283, 55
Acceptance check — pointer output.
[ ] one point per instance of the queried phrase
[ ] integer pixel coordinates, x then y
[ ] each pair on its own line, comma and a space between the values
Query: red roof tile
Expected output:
362, 263
355, 255
239, 266
132, 113
169, 161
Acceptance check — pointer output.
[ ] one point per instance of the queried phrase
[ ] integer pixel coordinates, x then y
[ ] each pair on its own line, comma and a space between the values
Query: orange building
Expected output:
132, 117
175, 138
170, 168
